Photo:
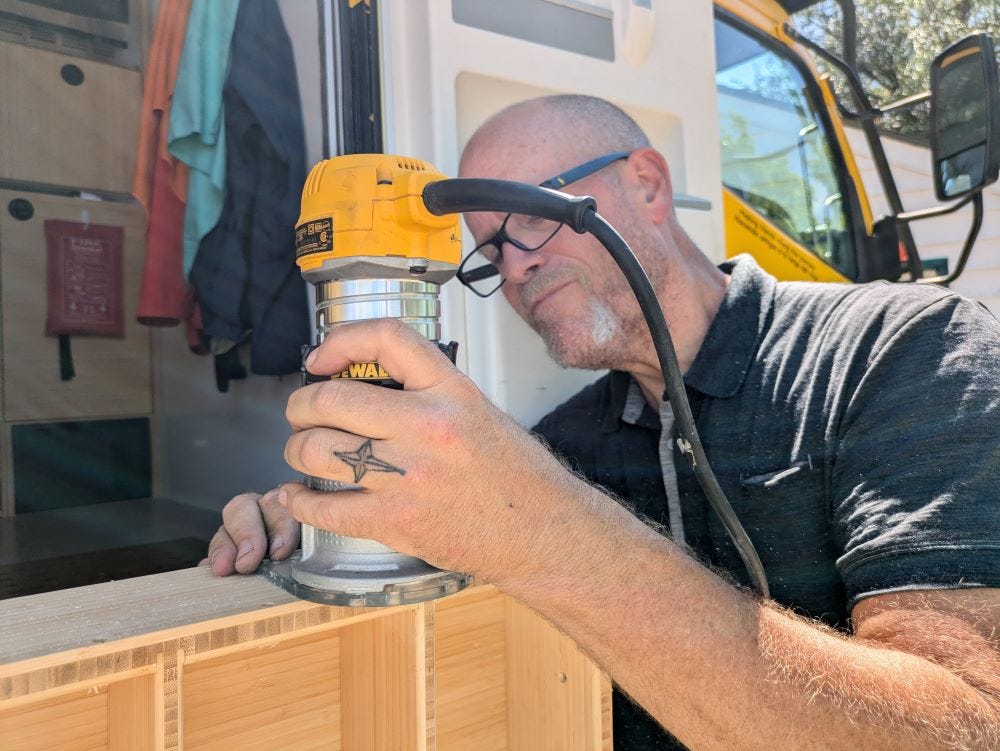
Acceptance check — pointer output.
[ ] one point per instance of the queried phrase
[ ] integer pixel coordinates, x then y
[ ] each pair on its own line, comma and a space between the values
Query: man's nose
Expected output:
518, 266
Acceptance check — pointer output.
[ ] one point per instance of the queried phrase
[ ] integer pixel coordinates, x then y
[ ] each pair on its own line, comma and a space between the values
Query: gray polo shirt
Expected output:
854, 428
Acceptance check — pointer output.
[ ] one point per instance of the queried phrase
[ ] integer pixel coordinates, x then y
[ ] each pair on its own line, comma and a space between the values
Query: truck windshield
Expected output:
776, 152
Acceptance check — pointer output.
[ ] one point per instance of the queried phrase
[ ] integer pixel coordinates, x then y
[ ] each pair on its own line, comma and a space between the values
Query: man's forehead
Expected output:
523, 149
512, 161
482, 223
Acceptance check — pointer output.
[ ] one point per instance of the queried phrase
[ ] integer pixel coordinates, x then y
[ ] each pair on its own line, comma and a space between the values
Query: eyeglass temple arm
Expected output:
467, 194
582, 170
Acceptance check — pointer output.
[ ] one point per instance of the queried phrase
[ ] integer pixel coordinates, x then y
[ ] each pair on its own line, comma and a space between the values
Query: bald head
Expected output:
566, 128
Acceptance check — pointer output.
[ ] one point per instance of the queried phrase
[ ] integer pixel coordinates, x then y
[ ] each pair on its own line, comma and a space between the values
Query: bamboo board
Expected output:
185, 660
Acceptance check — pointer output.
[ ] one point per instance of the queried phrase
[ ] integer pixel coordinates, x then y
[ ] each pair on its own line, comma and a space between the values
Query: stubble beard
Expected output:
589, 342
610, 330
597, 337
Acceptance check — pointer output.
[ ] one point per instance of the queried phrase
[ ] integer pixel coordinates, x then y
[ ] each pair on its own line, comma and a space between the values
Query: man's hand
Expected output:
445, 475
253, 526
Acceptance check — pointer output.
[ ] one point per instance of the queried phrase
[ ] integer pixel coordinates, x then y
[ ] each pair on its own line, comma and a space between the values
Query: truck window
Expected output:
776, 151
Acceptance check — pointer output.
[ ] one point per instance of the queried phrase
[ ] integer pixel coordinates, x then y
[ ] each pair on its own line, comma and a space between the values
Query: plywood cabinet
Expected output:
67, 121
187, 661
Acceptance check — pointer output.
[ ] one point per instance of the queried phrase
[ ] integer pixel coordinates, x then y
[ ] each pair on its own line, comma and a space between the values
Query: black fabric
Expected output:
853, 429
67, 371
247, 284
228, 367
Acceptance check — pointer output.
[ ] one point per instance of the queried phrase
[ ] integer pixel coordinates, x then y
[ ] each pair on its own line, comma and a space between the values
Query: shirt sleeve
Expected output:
916, 480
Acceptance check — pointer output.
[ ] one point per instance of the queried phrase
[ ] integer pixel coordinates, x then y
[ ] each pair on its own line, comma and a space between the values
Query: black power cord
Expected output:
463, 195
688, 439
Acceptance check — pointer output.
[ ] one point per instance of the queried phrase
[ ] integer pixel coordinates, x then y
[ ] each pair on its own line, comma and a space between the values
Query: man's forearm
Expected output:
721, 670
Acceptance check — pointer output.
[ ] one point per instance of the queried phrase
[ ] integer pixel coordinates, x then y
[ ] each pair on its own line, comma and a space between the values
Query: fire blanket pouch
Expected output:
84, 279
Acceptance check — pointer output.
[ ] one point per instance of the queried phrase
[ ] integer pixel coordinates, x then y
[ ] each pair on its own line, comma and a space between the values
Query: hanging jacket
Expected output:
244, 273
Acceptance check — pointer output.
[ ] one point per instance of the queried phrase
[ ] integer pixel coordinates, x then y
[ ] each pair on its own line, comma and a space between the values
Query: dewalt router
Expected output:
371, 249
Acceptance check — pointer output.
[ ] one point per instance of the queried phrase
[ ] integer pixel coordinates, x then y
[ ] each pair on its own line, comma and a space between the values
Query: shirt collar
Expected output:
724, 359
725, 356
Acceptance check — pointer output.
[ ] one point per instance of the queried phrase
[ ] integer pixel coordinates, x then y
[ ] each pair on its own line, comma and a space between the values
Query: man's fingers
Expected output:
222, 553
282, 529
354, 407
408, 357
244, 522
335, 455
345, 512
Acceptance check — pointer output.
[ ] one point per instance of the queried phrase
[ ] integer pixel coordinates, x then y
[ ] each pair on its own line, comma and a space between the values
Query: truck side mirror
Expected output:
965, 118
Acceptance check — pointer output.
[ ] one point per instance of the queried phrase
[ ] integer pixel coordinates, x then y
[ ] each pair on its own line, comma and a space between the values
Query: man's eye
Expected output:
532, 222
490, 252
531, 229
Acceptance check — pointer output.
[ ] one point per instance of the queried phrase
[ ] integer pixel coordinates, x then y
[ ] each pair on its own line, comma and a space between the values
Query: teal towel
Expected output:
197, 122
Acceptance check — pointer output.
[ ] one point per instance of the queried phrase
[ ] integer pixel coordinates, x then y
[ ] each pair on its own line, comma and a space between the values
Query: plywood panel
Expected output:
113, 376
75, 722
382, 683
168, 684
51, 132
130, 714
556, 697
266, 698
470, 671
430, 676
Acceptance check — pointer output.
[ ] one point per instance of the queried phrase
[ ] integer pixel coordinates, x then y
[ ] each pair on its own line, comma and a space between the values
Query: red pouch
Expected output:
84, 279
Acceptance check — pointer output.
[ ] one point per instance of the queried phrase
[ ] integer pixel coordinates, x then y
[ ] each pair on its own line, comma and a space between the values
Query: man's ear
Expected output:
653, 175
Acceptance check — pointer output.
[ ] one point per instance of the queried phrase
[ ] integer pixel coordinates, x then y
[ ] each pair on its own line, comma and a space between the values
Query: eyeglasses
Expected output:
480, 269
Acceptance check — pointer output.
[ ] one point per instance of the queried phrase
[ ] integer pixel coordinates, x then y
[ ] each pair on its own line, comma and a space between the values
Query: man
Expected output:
854, 429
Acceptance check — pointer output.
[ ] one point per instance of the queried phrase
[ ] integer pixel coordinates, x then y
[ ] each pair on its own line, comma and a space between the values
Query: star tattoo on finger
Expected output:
362, 461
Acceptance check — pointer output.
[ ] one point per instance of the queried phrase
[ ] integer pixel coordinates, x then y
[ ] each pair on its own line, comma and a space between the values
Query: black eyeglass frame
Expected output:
500, 237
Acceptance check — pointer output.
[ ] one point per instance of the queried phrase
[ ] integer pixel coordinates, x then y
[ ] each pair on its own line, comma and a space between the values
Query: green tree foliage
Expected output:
897, 40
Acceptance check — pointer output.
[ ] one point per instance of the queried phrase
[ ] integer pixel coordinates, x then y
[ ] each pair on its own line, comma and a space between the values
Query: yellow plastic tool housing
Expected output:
371, 206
